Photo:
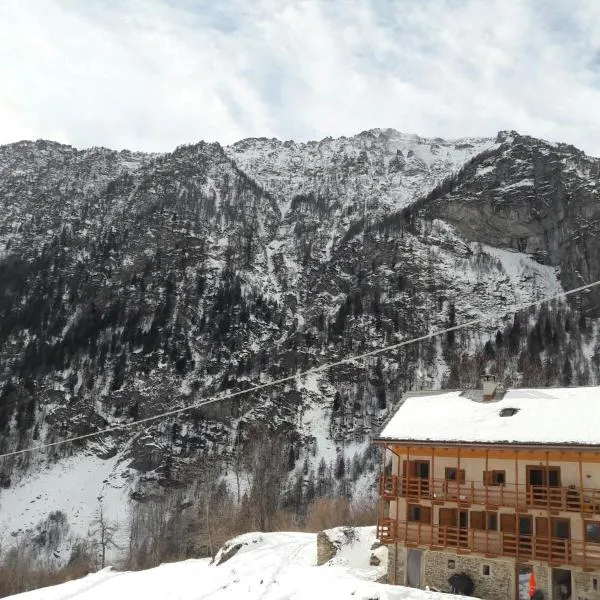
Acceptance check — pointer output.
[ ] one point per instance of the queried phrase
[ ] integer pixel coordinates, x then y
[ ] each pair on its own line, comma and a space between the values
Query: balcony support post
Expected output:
432, 474
581, 494
458, 473
397, 513
486, 477
407, 475
517, 479
581, 491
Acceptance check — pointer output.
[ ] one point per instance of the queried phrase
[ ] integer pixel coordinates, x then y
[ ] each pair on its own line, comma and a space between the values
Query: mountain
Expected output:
134, 284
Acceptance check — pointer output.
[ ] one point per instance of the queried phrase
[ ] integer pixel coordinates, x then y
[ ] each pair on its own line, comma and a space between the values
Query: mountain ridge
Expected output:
137, 283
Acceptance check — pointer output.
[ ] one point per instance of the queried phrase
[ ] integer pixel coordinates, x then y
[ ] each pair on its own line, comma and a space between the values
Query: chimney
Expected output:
489, 387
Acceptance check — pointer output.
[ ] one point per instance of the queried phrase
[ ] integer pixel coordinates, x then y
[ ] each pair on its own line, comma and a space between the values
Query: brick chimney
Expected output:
489, 385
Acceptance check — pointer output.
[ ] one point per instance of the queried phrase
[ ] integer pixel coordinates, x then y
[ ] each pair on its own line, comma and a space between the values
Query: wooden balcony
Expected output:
554, 551
571, 499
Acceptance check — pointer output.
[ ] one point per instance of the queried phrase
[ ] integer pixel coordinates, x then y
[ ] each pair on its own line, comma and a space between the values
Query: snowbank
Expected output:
355, 548
266, 566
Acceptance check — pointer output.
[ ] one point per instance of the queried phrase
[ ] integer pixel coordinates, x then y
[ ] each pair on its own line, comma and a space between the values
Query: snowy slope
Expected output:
74, 487
274, 566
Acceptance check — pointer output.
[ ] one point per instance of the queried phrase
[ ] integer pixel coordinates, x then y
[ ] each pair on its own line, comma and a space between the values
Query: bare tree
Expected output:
104, 533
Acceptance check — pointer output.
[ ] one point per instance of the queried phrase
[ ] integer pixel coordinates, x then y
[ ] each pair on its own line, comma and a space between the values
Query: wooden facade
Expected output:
528, 504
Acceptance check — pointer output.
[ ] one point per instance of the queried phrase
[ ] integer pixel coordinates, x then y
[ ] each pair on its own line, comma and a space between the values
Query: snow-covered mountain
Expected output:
133, 284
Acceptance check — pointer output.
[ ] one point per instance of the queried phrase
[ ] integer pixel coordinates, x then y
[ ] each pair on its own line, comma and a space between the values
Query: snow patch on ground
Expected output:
267, 566
354, 551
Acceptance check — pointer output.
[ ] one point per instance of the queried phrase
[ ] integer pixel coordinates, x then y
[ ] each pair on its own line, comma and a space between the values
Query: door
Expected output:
463, 528
415, 482
422, 468
561, 539
523, 579
448, 526
508, 529
542, 538
525, 541
543, 486
413, 570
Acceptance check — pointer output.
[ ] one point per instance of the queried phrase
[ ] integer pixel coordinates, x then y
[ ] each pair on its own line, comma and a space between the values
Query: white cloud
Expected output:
151, 74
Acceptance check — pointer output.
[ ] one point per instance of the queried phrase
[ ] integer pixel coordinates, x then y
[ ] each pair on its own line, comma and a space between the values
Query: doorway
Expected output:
523, 579
454, 527
561, 584
561, 539
415, 482
542, 486
413, 568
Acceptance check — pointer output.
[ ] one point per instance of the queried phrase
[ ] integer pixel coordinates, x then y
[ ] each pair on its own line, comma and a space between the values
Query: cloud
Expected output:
152, 74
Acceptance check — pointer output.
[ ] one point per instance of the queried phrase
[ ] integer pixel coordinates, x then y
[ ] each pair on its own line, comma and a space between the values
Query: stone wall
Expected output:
499, 584
543, 579
326, 549
583, 585
396, 564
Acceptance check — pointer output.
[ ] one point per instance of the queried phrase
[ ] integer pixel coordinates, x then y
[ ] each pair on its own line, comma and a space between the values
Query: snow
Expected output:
540, 418
354, 551
73, 487
268, 566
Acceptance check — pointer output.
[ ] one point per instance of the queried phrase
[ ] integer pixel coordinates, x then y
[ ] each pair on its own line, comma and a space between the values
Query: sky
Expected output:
153, 74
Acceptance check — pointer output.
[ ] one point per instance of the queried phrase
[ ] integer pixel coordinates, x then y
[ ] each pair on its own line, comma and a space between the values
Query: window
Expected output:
454, 474
494, 477
414, 512
592, 531
525, 523
595, 584
451, 564
508, 412
482, 520
542, 476
486, 569
419, 514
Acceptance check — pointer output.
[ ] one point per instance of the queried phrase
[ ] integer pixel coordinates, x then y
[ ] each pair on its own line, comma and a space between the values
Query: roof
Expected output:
552, 416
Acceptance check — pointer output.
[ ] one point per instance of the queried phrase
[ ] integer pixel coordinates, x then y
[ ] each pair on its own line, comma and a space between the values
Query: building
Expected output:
494, 485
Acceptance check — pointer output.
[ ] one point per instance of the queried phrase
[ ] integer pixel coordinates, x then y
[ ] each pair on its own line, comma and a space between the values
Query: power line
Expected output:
320, 368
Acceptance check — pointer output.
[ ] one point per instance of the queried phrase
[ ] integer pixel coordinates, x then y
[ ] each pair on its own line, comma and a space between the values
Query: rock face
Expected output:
326, 549
134, 284
534, 197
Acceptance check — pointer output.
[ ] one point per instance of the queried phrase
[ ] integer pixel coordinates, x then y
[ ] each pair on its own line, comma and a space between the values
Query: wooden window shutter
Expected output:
477, 519
426, 514
409, 468
508, 522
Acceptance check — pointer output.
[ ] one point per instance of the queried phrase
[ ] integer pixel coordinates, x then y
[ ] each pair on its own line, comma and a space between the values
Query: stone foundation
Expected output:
583, 585
499, 584
396, 564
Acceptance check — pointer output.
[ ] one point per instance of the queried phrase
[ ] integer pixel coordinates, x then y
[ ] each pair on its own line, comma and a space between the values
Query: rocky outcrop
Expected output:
326, 549
535, 197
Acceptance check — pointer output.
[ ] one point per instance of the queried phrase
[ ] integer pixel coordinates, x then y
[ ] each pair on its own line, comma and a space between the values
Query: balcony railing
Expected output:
572, 499
557, 551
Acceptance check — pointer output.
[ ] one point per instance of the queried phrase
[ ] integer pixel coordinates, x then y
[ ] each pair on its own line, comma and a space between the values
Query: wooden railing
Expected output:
556, 551
572, 499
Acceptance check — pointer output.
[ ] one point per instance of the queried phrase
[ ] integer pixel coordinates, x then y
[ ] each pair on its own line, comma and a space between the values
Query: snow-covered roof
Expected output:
554, 416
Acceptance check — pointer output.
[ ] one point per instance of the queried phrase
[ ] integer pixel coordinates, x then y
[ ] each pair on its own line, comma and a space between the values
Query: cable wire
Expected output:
320, 368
